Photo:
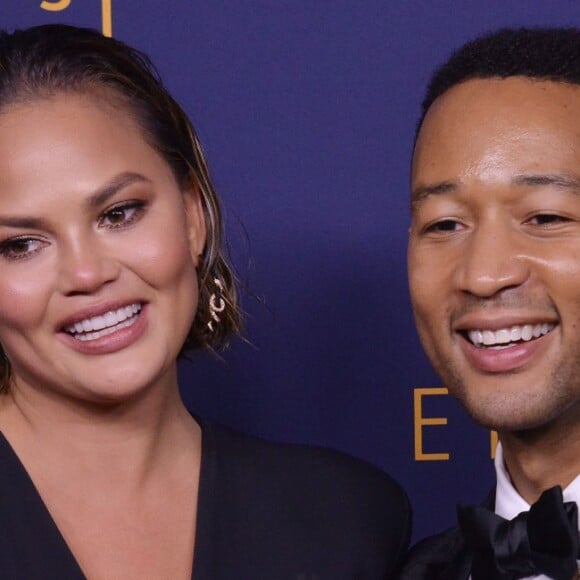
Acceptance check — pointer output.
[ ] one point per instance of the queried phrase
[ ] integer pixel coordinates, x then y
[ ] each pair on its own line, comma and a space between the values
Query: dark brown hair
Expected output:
45, 60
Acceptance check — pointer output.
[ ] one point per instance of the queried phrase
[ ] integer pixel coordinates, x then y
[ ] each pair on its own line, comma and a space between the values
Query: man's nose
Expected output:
492, 260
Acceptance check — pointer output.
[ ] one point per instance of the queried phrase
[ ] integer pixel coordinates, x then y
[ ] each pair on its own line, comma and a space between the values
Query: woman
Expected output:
110, 266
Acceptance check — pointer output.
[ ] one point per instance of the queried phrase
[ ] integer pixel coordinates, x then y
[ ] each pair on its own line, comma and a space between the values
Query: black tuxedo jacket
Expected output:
440, 557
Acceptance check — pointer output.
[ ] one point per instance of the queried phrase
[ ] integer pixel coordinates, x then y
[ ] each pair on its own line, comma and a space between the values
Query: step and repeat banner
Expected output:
307, 110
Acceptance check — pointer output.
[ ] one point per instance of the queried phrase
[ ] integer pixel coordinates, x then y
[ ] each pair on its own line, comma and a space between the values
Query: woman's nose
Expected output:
85, 266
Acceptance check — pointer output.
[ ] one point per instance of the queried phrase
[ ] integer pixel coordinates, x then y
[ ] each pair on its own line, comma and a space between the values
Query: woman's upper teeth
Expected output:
506, 335
106, 320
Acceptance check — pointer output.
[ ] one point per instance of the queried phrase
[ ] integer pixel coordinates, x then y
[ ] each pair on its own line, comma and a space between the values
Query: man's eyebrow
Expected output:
566, 181
115, 185
97, 199
423, 191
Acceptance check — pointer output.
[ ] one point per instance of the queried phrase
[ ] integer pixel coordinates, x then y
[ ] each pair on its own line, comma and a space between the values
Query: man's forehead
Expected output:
528, 96
498, 129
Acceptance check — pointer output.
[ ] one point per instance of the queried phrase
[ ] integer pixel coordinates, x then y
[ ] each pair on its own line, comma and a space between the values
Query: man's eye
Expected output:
122, 215
19, 248
443, 226
544, 219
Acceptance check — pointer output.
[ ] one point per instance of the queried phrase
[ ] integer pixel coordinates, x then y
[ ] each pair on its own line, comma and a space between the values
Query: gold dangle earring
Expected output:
216, 304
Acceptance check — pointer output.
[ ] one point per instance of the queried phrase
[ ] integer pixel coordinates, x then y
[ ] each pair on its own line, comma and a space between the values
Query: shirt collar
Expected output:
508, 502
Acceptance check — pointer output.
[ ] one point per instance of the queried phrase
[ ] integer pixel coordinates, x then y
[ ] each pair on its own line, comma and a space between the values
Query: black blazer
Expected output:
440, 557
266, 511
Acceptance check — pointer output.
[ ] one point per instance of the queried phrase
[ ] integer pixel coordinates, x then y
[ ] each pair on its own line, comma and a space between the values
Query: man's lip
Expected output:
95, 310
505, 360
486, 322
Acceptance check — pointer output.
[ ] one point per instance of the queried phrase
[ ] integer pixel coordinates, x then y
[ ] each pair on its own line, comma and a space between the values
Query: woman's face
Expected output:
98, 252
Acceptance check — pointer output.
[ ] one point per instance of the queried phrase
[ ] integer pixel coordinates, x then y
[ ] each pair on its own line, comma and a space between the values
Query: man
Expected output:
494, 266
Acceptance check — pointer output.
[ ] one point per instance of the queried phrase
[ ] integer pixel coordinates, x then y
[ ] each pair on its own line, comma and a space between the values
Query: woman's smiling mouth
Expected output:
98, 326
95, 327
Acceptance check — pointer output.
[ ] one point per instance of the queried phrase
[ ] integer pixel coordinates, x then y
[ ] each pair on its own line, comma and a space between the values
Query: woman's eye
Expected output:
19, 248
122, 215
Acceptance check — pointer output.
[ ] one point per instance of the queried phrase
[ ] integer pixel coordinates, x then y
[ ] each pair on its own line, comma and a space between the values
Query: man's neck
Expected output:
538, 459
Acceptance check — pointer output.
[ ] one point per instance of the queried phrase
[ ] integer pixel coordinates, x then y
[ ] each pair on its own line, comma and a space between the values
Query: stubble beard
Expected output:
517, 411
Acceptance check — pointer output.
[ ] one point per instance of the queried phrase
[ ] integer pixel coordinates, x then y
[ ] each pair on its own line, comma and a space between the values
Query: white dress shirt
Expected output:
509, 503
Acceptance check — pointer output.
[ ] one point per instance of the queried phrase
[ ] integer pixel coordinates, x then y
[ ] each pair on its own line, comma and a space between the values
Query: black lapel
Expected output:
459, 567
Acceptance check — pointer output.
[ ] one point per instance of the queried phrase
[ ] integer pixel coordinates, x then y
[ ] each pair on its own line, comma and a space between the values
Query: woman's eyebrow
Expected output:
115, 185
97, 199
23, 222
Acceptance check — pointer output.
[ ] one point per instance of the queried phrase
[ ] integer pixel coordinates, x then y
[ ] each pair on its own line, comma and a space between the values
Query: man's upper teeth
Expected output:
507, 335
106, 320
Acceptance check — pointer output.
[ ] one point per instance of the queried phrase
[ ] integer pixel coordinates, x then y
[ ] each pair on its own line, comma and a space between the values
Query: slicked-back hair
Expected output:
43, 61
549, 54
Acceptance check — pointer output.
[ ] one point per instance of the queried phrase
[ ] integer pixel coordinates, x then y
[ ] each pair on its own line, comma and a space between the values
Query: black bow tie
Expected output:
541, 541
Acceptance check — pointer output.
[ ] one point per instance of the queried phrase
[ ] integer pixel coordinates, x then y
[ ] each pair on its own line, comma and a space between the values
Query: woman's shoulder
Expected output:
287, 458
297, 510
318, 484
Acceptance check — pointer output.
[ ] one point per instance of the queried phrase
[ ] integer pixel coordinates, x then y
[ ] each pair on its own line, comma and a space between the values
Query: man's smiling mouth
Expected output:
507, 337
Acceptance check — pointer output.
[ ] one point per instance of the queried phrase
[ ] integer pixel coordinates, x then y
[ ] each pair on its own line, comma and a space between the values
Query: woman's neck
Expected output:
126, 443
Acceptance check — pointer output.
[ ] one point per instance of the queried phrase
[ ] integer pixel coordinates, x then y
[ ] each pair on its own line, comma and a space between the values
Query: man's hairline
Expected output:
479, 77
463, 81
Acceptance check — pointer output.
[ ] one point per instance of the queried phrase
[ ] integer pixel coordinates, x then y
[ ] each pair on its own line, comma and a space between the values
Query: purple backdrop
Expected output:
307, 112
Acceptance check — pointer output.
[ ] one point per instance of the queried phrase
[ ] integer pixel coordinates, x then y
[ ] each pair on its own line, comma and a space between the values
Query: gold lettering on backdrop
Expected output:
55, 5
106, 12
421, 421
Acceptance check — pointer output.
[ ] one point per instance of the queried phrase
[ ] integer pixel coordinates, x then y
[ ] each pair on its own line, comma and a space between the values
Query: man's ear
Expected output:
195, 223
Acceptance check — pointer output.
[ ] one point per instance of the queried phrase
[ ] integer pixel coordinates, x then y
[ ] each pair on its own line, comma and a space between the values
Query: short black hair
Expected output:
551, 54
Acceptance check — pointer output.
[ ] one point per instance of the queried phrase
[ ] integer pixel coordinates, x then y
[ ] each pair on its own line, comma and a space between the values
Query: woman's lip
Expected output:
96, 310
507, 359
109, 343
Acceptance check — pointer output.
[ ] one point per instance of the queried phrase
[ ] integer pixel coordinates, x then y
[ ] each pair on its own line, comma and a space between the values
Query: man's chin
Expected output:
515, 416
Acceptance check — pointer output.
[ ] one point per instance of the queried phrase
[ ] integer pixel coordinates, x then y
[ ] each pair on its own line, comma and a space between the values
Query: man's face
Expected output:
494, 249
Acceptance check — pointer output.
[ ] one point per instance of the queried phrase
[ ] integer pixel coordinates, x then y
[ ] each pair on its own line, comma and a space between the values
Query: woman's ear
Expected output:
195, 223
